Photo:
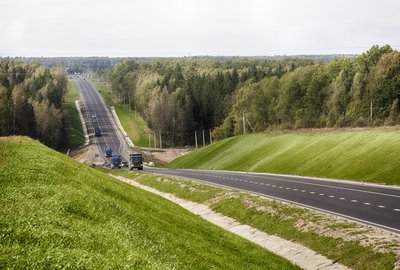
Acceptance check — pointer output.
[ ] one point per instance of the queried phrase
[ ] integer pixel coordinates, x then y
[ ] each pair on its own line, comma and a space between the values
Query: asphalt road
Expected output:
374, 205
371, 204
94, 106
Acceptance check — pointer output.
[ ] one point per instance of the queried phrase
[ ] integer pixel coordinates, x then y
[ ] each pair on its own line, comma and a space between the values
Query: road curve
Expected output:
371, 204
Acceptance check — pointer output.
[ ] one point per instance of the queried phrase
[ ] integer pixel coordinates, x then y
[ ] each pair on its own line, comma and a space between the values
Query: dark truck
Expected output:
97, 132
108, 151
116, 161
136, 161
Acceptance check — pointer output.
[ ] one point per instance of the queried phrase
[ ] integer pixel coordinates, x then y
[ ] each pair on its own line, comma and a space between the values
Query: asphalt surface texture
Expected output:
96, 114
375, 205
371, 204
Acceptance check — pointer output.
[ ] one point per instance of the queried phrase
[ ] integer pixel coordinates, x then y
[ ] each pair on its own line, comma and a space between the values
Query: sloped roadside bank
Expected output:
352, 244
364, 155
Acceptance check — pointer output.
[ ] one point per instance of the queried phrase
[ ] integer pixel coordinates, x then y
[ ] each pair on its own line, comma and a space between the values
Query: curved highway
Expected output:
371, 204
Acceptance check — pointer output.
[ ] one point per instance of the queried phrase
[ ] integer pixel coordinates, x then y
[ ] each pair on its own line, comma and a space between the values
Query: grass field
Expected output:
134, 126
57, 213
365, 155
75, 133
317, 231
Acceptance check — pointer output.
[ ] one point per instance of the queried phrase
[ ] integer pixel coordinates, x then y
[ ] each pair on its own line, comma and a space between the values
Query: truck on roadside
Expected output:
135, 161
116, 161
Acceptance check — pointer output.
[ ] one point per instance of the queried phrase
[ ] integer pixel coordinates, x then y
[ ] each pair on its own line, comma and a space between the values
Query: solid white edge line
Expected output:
361, 221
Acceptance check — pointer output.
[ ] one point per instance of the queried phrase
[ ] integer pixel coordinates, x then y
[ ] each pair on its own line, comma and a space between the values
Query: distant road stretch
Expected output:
374, 205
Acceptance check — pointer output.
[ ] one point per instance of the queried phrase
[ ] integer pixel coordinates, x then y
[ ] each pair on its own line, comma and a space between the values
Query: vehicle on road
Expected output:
125, 163
97, 132
116, 161
108, 151
136, 161
93, 116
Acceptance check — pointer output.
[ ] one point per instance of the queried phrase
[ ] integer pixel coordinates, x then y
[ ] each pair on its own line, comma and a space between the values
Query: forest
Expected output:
31, 99
179, 97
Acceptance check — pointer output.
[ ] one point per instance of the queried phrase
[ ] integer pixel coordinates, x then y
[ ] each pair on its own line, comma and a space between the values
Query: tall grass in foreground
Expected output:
57, 213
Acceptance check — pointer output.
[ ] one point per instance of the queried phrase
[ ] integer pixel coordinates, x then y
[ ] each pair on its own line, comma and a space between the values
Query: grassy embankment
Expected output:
57, 213
75, 133
134, 125
339, 240
365, 155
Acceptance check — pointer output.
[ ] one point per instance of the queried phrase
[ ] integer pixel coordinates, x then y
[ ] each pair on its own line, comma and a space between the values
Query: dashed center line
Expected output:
321, 194
331, 196
354, 201
312, 192
396, 209
295, 189
341, 198
381, 206
367, 203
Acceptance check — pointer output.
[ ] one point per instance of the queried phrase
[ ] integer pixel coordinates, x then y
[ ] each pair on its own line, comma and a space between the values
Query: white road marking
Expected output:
341, 198
287, 188
381, 206
303, 190
367, 203
397, 210
331, 196
295, 189
312, 192
354, 201
321, 194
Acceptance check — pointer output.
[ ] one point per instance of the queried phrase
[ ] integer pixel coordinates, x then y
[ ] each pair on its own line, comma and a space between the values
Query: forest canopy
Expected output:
30, 102
179, 97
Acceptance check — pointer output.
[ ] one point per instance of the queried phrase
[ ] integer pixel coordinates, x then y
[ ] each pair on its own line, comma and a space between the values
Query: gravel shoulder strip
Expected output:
296, 253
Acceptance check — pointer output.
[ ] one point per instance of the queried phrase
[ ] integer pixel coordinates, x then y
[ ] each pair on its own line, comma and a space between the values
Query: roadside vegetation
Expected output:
31, 98
351, 244
179, 97
57, 213
76, 137
362, 155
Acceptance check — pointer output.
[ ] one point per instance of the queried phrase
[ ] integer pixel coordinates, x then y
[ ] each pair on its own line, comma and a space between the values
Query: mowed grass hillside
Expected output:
57, 213
365, 155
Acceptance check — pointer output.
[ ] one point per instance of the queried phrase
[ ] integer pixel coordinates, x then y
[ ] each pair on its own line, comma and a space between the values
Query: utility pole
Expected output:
244, 124
195, 138
149, 138
160, 139
155, 144
210, 137
129, 103
370, 115
204, 140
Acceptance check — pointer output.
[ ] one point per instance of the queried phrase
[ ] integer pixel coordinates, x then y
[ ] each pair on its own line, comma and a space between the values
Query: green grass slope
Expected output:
366, 155
57, 213
133, 125
75, 133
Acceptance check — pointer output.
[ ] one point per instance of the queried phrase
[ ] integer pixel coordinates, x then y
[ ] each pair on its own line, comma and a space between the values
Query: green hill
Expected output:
57, 213
366, 155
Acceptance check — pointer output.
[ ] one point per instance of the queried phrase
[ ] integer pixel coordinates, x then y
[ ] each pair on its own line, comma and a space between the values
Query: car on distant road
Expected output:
124, 163
97, 132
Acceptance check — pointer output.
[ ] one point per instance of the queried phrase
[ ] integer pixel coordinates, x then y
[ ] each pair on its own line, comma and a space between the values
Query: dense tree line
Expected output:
342, 93
30, 102
178, 97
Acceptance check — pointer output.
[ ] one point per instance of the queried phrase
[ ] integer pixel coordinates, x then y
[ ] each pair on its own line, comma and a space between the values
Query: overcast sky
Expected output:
195, 27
